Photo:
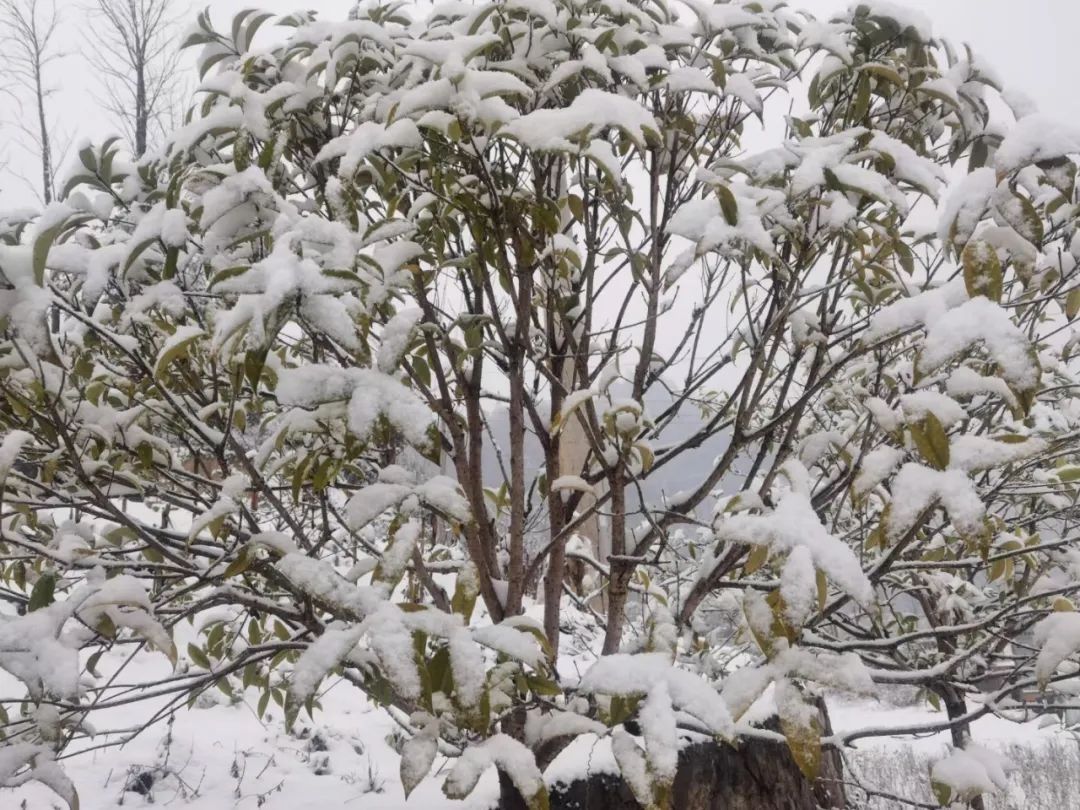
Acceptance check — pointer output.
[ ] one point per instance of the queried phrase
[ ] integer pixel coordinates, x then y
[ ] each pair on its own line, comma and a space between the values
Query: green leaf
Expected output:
227, 273
241, 564
465, 593
577, 207
938, 94
982, 270
136, 252
539, 800
175, 348
942, 792
885, 72
1022, 216
933, 443
543, 686
861, 107
980, 153
264, 702
1010, 438
198, 657
421, 370
759, 554
728, 205
1072, 303
1068, 474
77, 180
43, 593
804, 741
43, 242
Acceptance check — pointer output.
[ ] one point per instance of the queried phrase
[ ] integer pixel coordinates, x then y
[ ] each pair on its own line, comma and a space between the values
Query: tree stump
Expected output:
758, 775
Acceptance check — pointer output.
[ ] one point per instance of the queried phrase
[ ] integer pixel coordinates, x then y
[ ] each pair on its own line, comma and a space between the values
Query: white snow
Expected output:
965, 205
510, 755
876, 466
10, 448
589, 114
974, 453
1035, 138
798, 586
903, 16
972, 770
793, 523
370, 393
510, 641
1059, 637
625, 674
918, 404
982, 321
915, 488
396, 336
924, 308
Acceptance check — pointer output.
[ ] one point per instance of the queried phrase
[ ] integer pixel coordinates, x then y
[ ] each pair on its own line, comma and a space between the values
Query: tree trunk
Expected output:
619, 569
758, 775
955, 708
46, 147
142, 114
46, 168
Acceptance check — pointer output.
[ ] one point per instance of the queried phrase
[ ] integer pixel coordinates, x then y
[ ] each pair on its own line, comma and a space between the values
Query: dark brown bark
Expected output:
955, 708
757, 775
516, 567
556, 572
619, 568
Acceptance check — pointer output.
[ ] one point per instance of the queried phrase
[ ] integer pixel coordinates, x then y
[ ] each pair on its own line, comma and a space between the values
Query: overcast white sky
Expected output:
1030, 42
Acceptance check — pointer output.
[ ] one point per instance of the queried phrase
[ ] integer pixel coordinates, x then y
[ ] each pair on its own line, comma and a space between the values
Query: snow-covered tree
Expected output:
28, 30
132, 48
834, 257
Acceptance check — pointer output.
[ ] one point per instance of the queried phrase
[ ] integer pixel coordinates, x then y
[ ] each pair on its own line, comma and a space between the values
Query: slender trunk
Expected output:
619, 569
557, 518
46, 149
556, 571
141, 113
46, 170
518, 351
516, 569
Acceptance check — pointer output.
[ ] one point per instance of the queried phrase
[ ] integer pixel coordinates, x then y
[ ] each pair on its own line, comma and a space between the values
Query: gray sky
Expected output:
1030, 42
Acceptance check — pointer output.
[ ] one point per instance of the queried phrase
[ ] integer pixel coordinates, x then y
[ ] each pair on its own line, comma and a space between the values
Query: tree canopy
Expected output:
834, 255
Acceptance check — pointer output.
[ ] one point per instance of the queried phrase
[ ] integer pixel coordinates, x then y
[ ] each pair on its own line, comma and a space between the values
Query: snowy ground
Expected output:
220, 755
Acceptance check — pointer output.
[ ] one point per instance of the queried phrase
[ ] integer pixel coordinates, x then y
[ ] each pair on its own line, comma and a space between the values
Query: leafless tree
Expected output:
134, 53
28, 31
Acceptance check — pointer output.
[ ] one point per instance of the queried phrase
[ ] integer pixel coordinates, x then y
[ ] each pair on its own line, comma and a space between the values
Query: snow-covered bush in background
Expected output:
282, 339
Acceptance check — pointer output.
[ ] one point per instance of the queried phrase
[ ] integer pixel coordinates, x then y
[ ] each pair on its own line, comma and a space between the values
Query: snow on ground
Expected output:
220, 755
989, 730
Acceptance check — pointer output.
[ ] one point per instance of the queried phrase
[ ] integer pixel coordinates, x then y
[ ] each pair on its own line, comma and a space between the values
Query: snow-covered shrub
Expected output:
249, 381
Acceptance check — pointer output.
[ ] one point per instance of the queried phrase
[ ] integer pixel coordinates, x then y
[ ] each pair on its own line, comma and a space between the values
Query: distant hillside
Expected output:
681, 475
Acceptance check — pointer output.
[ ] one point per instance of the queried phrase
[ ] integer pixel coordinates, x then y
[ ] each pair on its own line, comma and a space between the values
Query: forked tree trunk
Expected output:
758, 775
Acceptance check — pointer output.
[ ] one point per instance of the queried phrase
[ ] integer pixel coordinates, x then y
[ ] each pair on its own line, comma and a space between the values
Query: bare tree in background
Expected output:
133, 50
28, 32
